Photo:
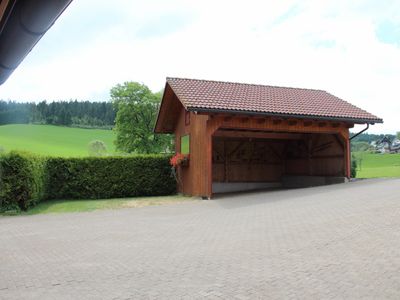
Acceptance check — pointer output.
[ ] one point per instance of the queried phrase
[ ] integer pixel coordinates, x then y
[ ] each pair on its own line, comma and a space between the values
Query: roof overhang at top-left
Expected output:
22, 24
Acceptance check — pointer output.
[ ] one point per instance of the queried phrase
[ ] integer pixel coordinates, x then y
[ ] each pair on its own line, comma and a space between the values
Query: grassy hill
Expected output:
53, 140
377, 165
67, 141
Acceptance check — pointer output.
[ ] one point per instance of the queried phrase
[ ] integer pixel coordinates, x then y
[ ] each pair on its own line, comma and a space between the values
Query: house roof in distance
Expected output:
217, 96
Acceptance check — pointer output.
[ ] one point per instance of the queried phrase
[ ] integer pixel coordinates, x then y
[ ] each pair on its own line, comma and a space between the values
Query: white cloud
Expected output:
314, 44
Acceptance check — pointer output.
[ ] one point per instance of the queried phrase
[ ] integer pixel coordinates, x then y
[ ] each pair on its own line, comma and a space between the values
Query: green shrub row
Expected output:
26, 179
109, 177
22, 180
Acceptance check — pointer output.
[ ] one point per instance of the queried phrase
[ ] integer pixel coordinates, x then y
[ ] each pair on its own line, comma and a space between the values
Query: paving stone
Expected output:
331, 242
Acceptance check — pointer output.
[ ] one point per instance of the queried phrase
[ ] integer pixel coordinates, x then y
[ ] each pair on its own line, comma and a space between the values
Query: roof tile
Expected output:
229, 96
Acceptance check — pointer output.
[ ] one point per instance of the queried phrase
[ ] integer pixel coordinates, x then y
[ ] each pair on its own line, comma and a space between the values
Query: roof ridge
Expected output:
242, 83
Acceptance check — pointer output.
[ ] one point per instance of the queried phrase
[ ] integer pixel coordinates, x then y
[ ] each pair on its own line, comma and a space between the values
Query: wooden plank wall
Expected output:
196, 179
266, 160
200, 152
279, 125
316, 155
247, 160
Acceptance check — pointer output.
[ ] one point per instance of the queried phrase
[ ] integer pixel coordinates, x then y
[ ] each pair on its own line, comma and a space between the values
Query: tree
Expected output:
360, 146
137, 108
398, 135
97, 148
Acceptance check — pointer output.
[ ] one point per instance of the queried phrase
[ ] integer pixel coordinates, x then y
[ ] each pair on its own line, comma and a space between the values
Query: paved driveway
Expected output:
340, 241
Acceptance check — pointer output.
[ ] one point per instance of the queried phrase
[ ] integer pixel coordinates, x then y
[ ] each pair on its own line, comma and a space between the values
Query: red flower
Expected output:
178, 158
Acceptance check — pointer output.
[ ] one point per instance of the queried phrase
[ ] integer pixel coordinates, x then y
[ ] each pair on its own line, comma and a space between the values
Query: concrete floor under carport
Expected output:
244, 160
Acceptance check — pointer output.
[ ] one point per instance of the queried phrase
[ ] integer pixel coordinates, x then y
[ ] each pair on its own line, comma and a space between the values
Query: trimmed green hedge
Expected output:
26, 179
22, 179
109, 177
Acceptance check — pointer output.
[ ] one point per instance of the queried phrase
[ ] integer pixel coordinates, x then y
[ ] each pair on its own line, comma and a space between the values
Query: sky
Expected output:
349, 48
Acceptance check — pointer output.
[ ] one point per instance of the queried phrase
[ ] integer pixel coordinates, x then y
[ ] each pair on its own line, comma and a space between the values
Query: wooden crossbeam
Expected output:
257, 134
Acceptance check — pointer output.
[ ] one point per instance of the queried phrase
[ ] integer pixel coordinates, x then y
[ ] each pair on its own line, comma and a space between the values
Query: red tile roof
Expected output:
217, 96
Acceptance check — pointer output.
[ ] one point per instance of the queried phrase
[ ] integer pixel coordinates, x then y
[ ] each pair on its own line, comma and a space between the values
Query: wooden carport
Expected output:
244, 136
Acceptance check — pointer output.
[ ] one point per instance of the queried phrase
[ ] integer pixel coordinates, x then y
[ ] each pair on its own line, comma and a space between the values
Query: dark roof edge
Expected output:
270, 114
25, 24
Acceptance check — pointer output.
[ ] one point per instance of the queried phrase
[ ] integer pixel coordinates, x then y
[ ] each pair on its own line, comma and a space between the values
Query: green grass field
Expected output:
377, 165
53, 140
67, 141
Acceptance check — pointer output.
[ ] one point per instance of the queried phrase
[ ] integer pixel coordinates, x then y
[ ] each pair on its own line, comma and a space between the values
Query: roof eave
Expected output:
157, 127
22, 25
282, 115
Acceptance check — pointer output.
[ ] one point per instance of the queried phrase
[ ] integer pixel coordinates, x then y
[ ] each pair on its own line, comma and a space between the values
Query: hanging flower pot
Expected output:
179, 159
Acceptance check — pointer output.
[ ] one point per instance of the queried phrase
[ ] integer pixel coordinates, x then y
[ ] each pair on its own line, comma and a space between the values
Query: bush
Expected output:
26, 179
109, 177
97, 148
21, 180
353, 171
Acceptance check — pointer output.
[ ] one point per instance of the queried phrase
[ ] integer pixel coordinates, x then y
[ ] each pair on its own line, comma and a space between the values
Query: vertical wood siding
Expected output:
323, 151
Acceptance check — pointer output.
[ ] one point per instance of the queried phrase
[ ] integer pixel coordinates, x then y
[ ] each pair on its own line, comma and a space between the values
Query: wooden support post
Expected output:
309, 155
348, 159
209, 164
344, 135
225, 163
211, 126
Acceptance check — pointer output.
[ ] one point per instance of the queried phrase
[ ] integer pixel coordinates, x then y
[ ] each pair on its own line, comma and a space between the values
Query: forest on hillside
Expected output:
86, 114
75, 113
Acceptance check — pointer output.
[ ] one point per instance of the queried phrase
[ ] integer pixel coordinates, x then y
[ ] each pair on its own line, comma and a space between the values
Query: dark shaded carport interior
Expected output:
249, 159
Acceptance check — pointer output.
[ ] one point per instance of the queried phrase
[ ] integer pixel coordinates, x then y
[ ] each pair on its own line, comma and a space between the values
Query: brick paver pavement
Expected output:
332, 242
